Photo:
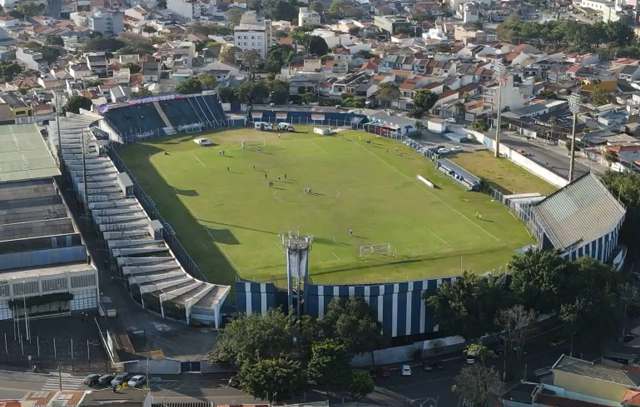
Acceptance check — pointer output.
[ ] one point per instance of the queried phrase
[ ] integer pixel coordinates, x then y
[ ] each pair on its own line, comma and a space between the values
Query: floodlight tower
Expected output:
296, 248
500, 71
574, 107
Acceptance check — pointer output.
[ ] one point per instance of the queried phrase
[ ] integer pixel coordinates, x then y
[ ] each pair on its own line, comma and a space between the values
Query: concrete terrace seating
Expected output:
135, 119
179, 112
155, 276
184, 113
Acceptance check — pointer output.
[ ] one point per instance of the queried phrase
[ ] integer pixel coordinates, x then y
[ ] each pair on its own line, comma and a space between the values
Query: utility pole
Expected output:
59, 147
574, 107
500, 70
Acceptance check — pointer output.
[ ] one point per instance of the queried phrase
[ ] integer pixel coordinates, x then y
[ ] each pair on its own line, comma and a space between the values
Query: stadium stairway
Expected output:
169, 128
154, 274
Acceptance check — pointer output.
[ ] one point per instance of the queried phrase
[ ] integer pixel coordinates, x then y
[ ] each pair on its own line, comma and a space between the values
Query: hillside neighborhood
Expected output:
320, 202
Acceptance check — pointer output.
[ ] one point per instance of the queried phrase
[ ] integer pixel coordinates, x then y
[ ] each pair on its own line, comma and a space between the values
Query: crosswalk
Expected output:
68, 383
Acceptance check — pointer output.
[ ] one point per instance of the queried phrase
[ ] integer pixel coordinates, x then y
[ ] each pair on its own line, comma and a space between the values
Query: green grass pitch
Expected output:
229, 217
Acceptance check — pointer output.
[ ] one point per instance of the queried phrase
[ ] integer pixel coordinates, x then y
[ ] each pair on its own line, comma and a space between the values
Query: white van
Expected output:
282, 126
262, 126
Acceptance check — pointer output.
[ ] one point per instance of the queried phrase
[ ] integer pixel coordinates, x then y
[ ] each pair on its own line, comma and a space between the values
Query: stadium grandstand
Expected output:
162, 116
155, 276
581, 219
314, 115
455, 171
45, 269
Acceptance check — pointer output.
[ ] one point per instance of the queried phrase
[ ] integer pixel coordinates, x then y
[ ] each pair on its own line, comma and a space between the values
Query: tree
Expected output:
75, 103
133, 68
103, 44
149, 29
360, 384
476, 384
468, 306
208, 81
277, 57
279, 92
329, 365
55, 40
626, 188
26, 9
254, 337
351, 322
571, 315
479, 352
599, 96
424, 100
515, 323
228, 55
189, 86
318, 46
344, 9
228, 94
142, 92
233, 15
387, 93
9, 70
539, 279
251, 61
610, 156
272, 378
599, 285
253, 92
280, 9
301, 36
136, 44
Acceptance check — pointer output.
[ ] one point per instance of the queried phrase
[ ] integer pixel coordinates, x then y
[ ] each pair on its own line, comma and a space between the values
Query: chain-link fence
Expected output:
72, 346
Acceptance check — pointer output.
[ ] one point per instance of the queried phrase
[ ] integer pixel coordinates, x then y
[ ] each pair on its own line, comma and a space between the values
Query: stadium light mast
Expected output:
500, 71
296, 247
574, 107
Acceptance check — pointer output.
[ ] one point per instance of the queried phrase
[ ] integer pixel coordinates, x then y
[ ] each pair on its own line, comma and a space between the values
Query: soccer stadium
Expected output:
192, 202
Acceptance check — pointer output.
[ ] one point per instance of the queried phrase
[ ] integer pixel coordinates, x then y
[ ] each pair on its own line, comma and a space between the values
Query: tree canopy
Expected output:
279, 355
75, 103
424, 101
189, 86
574, 34
318, 46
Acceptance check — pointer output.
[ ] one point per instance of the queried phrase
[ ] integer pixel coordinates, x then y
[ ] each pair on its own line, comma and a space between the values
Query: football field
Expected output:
229, 204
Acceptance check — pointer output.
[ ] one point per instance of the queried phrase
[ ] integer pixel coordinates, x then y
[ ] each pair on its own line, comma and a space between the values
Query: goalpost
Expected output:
375, 249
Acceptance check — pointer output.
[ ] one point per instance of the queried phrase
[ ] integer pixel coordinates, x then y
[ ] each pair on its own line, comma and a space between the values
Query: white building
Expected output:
253, 34
187, 9
308, 17
107, 23
514, 95
609, 10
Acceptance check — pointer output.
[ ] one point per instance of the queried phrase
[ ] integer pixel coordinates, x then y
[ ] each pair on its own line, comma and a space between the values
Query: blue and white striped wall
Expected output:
255, 298
399, 307
603, 248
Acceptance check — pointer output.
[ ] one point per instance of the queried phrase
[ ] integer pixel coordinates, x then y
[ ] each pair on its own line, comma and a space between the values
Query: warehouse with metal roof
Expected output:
44, 265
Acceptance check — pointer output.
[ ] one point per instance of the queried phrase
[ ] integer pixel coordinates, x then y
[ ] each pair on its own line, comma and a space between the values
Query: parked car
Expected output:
105, 379
91, 380
120, 378
282, 126
137, 381
406, 370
